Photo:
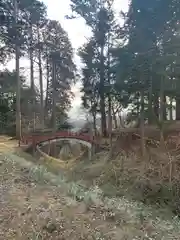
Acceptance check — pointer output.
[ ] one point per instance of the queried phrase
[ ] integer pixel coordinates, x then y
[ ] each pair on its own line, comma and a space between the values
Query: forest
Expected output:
130, 61
25, 31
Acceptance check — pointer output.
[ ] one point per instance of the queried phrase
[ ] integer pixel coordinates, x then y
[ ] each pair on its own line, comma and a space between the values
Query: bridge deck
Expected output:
39, 138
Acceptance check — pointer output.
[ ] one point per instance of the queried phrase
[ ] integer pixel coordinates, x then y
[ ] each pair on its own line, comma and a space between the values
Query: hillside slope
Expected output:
36, 204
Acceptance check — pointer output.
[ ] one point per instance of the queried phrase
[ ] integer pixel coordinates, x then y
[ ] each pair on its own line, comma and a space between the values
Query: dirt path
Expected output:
32, 207
40, 211
7, 144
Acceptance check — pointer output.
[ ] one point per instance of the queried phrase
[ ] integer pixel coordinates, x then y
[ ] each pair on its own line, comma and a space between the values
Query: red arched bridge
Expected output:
36, 139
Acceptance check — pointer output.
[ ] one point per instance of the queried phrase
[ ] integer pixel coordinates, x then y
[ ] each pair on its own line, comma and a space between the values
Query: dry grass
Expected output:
39, 205
153, 179
34, 208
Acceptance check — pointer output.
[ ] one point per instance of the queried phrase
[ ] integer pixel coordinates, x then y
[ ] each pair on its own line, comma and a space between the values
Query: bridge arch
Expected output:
73, 139
37, 139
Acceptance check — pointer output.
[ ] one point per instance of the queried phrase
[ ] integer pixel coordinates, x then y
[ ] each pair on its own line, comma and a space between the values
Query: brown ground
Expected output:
41, 211
34, 208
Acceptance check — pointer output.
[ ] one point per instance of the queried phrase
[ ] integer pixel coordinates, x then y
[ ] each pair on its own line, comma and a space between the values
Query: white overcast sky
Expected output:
77, 31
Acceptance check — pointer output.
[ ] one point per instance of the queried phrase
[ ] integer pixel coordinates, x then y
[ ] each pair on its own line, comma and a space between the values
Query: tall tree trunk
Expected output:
110, 125
54, 103
171, 98
121, 121
142, 130
156, 105
47, 82
161, 109
109, 115
102, 97
32, 76
40, 81
109, 97
138, 102
150, 103
114, 118
171, 109
164, 108
31, 59
109, 100
54, 96
94, 123
18, 81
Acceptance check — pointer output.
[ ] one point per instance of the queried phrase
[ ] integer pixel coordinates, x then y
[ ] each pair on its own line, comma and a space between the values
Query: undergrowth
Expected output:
153, 180
145, 222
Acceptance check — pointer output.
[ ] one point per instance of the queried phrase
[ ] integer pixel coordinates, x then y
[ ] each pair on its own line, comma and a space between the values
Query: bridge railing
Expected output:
37, 138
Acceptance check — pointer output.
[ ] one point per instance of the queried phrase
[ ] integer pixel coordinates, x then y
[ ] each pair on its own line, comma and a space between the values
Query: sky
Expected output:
77, 31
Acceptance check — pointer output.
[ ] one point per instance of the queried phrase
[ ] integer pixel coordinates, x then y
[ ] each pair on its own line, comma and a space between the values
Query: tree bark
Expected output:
171, 109
94, 123
110, 125
150, 103
54, 96
40, 82
47, 81
31, 59
164, 108
47, 87
143, 149
109, 97
114, 118
18, 81
102, 97
109, 101
32, 76
156, 105
54, 103
161, 110
121, 122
